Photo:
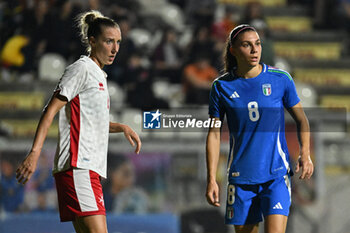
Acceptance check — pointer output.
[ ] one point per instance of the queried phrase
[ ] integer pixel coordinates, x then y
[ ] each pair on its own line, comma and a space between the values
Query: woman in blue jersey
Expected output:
253, 96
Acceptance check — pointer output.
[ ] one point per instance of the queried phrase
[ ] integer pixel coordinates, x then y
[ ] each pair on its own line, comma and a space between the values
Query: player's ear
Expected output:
92, 41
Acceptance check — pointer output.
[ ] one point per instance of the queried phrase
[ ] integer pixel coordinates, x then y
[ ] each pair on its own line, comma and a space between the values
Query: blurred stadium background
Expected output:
162, 190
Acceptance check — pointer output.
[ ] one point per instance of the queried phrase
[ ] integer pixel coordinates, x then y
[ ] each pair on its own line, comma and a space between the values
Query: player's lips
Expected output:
254, 58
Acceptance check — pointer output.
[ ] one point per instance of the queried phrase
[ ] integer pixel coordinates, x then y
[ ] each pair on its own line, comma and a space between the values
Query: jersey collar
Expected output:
96, 67
264, 69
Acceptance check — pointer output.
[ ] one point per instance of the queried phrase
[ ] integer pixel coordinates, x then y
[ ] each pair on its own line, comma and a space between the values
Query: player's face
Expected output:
247, 49
105, 47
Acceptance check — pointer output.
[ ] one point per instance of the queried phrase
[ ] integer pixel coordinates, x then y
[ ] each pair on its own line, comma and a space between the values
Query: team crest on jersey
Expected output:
229, 212
266, 89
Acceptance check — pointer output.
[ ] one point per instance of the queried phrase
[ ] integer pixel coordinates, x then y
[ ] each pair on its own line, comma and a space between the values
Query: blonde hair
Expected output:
90, 24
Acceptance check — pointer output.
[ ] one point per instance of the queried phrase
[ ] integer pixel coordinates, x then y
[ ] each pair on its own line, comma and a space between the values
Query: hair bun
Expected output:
91, 16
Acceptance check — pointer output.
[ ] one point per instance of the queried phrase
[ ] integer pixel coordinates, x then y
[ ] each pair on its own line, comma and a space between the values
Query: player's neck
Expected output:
248, 72
96, 60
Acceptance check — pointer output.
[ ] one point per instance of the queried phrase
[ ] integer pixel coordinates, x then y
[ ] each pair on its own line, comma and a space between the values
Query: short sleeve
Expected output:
215, 106
290, 97
73, 80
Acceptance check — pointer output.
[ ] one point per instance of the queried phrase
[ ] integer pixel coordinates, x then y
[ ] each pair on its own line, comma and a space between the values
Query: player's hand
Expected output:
27, 168
306, 165
213, 193
132, 137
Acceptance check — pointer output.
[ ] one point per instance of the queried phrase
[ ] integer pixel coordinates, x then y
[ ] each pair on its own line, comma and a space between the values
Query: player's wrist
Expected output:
35, 151
211, 179
123, 127
304, 155
117, 127
304, 152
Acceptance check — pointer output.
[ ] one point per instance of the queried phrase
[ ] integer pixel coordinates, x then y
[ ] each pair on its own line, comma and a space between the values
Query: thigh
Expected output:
91, 224
275, 223
252, 228
276, 197
243, 205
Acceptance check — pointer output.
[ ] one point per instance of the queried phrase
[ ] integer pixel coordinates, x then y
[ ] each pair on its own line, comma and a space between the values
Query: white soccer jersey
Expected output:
84, 120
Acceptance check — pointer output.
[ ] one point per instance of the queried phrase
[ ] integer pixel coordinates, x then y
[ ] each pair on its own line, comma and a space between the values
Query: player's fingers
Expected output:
210, 198
308, 176
310, 172
308, 169
20, 173
28, 178
216, 196
130, 140
21, 168
297, 167
25, 176
137, 139
22, 178
216, 199
138, 146
304, 172
18, 169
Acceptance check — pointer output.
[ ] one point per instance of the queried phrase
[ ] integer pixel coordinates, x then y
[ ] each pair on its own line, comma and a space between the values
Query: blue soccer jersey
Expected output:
254, 109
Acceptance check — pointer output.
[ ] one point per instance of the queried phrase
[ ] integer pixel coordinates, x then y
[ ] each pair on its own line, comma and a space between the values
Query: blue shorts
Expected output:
246, 204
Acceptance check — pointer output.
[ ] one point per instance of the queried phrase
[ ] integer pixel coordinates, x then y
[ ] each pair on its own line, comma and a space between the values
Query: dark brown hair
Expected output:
229, 60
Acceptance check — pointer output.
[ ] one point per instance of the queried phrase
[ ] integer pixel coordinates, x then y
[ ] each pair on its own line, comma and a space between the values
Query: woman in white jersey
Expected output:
82, 100
253, 96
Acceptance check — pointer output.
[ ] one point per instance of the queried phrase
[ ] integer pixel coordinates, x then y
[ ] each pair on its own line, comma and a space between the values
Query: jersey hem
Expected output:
86, 168
254, 182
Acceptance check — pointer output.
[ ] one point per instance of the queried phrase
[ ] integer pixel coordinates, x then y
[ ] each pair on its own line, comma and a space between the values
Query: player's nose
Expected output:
254, 49
116, 47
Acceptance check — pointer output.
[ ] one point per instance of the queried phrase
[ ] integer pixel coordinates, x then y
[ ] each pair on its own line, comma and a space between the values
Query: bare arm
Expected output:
303, 132
28, 165
213, 153
129, 134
